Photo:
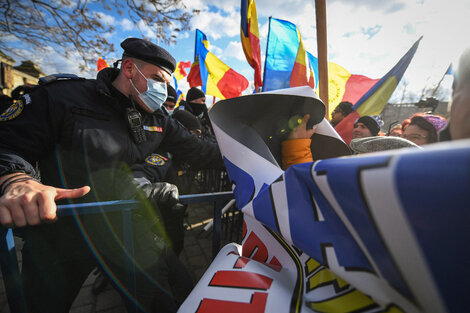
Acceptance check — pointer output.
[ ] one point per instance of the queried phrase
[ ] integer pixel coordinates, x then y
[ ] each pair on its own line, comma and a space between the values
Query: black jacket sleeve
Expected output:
200, 153
29, 134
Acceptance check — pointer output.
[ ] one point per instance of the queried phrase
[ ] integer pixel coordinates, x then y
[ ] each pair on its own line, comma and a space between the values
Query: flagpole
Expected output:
320, 12
439, 83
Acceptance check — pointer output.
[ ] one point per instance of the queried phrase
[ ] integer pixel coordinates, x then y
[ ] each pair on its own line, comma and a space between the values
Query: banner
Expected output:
372, 233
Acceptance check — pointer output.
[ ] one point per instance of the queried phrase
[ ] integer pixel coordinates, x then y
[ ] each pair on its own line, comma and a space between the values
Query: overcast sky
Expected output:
366, 37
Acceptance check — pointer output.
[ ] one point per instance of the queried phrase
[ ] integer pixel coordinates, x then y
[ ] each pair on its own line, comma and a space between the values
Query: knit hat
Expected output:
438, 122
171, 94
194, 93
187, 119
379, 143
345, 108
371, 122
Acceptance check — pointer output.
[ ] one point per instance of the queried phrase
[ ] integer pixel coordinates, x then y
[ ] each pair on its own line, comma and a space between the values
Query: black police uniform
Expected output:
77, 132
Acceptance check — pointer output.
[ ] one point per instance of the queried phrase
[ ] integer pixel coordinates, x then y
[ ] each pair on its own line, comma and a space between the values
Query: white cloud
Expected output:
50, 62
215, 50
107, 19
127, 24
218, 24
234, 50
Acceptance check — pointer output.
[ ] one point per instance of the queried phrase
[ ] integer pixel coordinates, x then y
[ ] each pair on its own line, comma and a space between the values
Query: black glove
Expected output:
164, 194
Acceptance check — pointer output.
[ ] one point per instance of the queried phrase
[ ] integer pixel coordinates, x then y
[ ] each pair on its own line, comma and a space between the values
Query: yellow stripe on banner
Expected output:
375, 104
352, 301
216, 69
323, 277
311, 266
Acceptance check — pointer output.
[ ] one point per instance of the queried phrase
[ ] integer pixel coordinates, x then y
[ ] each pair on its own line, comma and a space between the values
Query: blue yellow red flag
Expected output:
180, 71
216, 78
250, 38
302, 72
375, 99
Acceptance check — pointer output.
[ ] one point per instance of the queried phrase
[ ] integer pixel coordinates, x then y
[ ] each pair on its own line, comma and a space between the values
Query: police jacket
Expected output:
76, 132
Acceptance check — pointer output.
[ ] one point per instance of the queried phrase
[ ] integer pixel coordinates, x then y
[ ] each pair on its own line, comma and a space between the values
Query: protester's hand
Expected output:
301, 131
29, 202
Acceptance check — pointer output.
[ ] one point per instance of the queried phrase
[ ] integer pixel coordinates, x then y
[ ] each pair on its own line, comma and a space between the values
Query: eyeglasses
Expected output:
413, 137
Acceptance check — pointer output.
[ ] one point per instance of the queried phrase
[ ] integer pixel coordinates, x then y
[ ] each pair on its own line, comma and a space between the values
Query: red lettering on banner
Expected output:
244, 230
256, 305
241, 280
253, 242
241, 262
273, 264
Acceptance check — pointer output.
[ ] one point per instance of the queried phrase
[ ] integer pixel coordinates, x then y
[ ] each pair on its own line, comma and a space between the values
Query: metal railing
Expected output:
9, 261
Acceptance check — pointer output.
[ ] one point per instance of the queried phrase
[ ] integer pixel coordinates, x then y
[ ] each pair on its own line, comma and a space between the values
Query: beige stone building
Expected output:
12, 76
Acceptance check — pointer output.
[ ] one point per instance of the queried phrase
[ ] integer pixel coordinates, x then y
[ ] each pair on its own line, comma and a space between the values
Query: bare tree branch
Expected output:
73, 26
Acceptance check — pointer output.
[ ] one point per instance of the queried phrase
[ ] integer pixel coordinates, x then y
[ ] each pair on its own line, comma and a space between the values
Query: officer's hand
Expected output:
30, 203
165, 194
301, 131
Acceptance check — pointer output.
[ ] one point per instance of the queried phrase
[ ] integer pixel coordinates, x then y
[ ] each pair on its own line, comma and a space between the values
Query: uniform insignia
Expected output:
156, 159
153, 128
13, 111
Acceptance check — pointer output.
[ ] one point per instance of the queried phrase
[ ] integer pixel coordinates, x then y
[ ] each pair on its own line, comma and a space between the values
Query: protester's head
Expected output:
423, 128
189, 121
145, 71
171, 98
396, 131
366, 126
196, 100
340, 112
460, 110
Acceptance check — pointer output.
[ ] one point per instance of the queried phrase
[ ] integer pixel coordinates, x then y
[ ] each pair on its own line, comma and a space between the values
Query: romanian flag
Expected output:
344, 86
281, 53
250, 38
287, 62
179, 74
374, 101
215, 77
101, 64
302, 72
180, 71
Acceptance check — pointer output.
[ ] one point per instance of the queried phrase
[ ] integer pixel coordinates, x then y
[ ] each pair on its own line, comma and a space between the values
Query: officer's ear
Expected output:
127, 68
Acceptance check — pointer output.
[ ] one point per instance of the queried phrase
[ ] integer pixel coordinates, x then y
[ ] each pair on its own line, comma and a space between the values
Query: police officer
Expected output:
84, 133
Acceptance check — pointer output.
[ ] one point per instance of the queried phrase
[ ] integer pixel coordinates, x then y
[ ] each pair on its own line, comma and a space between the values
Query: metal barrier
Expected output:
9, 261
218, 199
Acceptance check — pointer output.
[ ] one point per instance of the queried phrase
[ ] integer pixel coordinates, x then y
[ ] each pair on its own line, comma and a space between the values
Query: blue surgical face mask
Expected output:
155, 94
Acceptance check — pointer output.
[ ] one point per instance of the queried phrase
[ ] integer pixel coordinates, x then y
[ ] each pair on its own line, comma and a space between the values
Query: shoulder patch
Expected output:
156, 159
13, 111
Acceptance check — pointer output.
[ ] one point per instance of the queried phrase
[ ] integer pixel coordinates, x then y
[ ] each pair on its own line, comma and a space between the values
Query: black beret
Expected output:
194, 93
149, 52
171, 94
370, 123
